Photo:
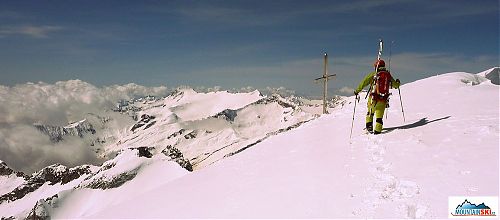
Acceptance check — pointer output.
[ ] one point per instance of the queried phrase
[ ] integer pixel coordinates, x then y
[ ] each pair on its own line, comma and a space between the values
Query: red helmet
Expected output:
379, 63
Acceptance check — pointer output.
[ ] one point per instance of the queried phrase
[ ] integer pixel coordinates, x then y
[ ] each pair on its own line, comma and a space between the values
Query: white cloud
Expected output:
24, 148
64, 101
346, 90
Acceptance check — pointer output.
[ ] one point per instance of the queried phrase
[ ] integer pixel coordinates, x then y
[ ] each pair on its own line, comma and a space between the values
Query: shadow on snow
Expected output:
421, 122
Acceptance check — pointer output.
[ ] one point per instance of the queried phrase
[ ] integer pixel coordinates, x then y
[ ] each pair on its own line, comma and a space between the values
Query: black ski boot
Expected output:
369, 127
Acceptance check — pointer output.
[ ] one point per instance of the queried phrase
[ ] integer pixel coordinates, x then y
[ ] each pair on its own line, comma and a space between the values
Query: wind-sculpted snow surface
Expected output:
447, 146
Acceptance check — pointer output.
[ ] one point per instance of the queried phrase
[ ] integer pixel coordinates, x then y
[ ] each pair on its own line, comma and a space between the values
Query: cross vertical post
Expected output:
325, 82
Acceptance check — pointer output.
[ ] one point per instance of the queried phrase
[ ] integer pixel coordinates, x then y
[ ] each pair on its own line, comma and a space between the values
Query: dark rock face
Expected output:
128, 107
177, 156
75, 173
149, 125
274, 98
115, 182
41, 209
57, 133
191, 135
5, 170
227, 114
494, 76
145, 152
180, 132
20, 191
145, 119
53, 174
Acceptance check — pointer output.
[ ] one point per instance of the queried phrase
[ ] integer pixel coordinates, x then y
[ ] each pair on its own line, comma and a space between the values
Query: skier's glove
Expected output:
356, 93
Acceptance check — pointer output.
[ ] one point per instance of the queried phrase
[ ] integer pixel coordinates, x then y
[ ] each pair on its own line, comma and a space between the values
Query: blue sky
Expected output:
234, 44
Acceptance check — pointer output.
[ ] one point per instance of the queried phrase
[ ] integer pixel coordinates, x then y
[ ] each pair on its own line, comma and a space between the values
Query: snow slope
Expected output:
448, 146
150, 174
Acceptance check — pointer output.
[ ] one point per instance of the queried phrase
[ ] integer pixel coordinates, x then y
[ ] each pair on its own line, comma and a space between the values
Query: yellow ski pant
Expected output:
375, 108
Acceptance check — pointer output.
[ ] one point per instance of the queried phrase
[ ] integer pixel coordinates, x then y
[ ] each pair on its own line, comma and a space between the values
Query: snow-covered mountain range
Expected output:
235, 155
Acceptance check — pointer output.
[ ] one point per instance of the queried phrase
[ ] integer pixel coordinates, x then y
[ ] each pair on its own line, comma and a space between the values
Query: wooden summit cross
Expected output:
325, 78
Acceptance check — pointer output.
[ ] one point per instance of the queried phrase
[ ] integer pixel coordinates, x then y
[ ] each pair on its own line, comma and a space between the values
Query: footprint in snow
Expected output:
400, 190
414, 210
384, 167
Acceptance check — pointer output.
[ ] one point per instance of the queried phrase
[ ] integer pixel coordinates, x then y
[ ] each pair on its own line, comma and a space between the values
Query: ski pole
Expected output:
401, 101
353, 114
389, 68
390, 54
386, 110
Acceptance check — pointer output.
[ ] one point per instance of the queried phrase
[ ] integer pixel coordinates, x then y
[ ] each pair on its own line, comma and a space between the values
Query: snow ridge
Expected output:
56, 173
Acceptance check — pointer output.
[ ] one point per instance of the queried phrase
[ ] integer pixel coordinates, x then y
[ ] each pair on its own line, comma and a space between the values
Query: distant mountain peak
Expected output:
57, 133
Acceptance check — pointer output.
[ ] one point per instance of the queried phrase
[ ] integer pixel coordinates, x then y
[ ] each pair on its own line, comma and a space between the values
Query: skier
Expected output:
379, 82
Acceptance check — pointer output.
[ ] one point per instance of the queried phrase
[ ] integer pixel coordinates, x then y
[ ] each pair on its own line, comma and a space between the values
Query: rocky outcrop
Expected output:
191, 135
175, 134
57, 133
54, 174
494, 75
145, 120
228, 115
177, 156
104, 178
114, 182
277, 99
41, 209
4, 169
144, 151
